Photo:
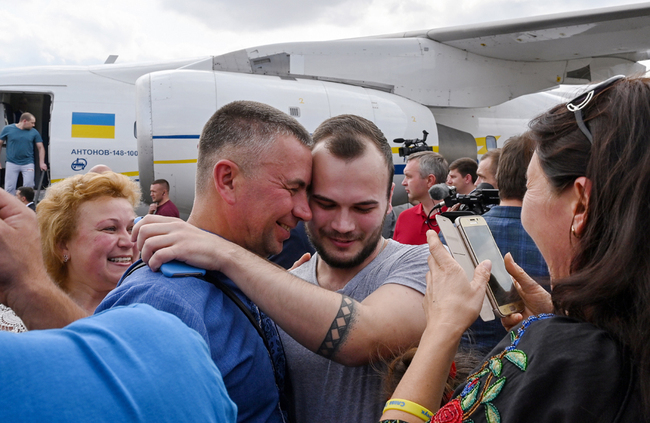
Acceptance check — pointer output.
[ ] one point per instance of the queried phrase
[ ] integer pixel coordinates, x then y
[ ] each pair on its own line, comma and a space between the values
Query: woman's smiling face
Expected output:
101, 250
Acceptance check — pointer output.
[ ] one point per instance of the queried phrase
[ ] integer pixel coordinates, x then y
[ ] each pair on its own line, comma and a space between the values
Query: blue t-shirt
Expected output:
20, 144
235, 346
124, 365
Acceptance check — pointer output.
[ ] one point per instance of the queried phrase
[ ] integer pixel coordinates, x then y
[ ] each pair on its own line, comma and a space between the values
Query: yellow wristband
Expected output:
409, 407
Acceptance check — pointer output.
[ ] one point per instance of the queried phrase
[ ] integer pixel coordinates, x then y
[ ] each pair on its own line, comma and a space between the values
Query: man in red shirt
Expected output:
422, 171
161, 205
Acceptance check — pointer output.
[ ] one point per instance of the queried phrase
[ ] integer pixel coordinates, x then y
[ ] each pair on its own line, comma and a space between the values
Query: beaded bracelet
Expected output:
409, 407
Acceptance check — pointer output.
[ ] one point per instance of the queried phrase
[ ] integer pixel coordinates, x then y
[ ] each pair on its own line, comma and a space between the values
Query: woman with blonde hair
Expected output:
85, 223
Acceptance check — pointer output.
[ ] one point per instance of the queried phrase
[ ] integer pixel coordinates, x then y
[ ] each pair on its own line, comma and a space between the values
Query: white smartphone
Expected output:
459, 252
501, 290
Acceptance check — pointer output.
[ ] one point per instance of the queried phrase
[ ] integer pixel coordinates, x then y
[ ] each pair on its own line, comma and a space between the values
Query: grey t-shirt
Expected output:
322, 390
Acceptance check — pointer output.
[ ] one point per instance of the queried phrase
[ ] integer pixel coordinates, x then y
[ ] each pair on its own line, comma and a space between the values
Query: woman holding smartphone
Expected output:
580, 353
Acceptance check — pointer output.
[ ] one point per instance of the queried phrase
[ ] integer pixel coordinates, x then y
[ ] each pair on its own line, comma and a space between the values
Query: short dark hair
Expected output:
431, 164
513, 163
27, 192
243, 131
347, 137
162, 182
465, 166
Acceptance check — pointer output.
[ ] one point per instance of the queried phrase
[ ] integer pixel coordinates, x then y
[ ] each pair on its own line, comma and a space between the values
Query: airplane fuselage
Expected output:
87, 116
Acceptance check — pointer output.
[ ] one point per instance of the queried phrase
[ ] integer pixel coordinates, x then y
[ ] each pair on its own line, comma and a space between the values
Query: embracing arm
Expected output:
335, 326
24, 283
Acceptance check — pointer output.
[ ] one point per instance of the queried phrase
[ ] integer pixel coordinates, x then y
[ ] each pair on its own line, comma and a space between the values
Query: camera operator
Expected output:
504, 221
478, 201
423, 170
411, 146
486, 178
480, 181
414, 145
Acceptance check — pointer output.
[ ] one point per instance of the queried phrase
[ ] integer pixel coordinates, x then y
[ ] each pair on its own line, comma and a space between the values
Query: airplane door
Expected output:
13, 104
3, 150
43, 104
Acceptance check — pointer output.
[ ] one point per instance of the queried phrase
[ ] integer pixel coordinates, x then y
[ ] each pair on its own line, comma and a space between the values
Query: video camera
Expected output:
476, 202
413, 146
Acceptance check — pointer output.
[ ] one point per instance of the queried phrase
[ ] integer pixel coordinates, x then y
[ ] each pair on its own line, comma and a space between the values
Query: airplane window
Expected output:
490, 142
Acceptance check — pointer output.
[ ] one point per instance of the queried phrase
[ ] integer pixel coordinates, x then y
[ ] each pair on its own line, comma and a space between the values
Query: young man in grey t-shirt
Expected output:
364, 302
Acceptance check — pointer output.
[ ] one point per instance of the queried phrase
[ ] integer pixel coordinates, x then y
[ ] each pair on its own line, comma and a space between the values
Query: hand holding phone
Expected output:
459, 252
501, 290
480, 246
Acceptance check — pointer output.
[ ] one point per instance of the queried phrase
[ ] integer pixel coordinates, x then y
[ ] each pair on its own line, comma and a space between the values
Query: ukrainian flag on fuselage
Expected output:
93, 125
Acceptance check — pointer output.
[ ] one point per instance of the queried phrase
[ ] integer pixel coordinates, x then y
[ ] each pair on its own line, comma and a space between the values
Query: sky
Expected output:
86, 32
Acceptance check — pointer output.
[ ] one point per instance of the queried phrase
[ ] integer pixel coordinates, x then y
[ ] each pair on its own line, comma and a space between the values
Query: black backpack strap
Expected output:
208, 277
235, 299
211, 278
138, 265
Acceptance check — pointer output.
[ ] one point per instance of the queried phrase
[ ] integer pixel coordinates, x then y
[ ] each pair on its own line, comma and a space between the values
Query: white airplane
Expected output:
469, 87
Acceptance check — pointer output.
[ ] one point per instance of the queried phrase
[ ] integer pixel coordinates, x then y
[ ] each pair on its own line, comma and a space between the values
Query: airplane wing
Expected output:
468, 66
621, 31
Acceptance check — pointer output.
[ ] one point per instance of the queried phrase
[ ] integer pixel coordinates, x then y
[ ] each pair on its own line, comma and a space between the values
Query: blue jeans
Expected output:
11, 176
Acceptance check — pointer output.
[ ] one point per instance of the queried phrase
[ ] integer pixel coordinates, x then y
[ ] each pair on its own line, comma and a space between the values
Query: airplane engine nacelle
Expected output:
173, 106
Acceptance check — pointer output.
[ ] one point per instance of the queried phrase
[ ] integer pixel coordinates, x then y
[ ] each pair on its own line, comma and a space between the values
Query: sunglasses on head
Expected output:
577, 104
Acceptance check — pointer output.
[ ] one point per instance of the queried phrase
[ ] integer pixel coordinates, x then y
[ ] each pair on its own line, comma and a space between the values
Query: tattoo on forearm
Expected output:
340, 328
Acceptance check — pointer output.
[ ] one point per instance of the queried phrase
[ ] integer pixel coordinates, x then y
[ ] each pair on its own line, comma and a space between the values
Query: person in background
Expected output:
100, 168
26, 196
504, 222
487, 169
161, 205
581, 354
9, 321
423, 170
21, 139
462, 175
85, 223
464, 363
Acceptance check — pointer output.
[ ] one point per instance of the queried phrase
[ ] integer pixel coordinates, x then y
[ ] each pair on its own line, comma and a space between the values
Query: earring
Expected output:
65, 258
573, 232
